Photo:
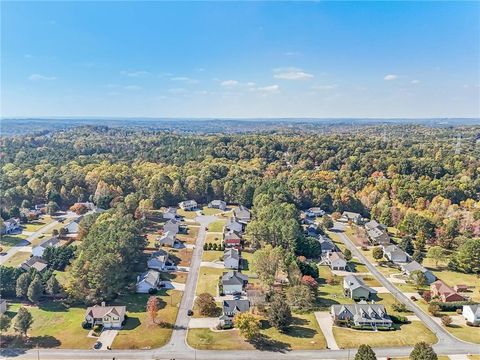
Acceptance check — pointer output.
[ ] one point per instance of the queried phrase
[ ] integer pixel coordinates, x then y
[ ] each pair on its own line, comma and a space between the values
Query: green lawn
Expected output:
191, 236
330, 294
214, 238
140, 332
208, 280
54, 325
187, 214
18, 259
9, 241
217, 226
211, 255
303, 334
408, 334
464, 332
35, 225
209, 211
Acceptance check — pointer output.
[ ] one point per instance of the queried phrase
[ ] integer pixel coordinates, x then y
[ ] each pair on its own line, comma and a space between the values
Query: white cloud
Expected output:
270, 89
185, 79
390, 77
291, 73
415, 82
37, 77
134, 73
229, 83
324, 87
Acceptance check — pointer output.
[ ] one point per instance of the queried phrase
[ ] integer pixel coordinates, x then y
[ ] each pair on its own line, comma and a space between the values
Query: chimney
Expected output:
103, 303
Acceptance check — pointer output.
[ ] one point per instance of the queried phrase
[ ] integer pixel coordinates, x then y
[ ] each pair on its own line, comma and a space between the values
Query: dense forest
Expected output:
424, 180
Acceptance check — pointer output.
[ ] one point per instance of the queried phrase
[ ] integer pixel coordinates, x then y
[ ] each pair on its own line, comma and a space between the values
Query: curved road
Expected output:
178, 349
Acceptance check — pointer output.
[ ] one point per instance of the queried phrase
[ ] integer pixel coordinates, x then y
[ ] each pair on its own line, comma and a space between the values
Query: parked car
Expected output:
97, 345
190, 312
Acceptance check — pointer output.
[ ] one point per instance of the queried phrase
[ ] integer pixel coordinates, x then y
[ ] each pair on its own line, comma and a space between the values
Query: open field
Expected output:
210, 255
330, 294
217, 226
408, 334
215, 238
303, 334
210, 211
208, 280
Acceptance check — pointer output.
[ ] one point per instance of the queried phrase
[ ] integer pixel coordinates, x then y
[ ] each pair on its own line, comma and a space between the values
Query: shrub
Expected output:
427, 296
433, 309
459, 311
399, 307
446, 320
152, 291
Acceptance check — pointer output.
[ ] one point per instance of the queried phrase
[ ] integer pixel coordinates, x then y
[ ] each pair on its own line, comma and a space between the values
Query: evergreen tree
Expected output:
23, 321
53, 286
423, 351
35, 289
279, 314
22, 285
365, 352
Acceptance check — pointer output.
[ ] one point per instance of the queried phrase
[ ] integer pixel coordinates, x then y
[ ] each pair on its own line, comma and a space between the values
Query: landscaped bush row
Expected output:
452, 306
213, 246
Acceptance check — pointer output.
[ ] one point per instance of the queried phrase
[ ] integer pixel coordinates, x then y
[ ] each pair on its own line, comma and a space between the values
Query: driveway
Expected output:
325, 322
213, 264
106, 338
174, 285
203, 323
380, 289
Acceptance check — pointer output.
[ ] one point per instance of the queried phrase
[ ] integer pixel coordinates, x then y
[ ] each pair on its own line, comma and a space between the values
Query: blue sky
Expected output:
241, 59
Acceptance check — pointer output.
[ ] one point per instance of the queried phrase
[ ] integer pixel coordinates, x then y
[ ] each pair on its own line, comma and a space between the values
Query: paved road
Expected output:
443, 335
178, 349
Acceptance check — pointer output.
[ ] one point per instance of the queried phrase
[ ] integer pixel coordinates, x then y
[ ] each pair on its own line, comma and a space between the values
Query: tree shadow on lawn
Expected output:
264, 343
245, 265
131, 323
53, 306
19, 342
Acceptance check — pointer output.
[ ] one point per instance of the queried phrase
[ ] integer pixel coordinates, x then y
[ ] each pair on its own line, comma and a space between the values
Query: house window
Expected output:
105, 319
116, 318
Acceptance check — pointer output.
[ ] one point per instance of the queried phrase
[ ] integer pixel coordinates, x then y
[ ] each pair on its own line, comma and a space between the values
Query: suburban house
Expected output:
36, 263
188, 205
242, 214
167, 239
444, 292
371, 316
413, 266
231, 308
3, 306
231, 258
395, 254
170, 213
378, 236
159, 261
172, 226
40, 249
312, 230
234, 225
73, 226
355, 288
471, 313
232, 239
326, 245
148, 280
314, 212
373, 224
233, 282
111, 317
337, 261
217, 204
11, 225
347, 216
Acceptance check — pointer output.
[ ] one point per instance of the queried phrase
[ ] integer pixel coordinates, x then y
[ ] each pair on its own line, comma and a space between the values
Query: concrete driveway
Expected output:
106, 338
203, 323
213, 264
325, 322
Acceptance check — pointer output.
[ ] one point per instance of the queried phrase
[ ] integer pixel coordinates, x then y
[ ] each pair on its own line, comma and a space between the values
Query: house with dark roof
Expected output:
111, 317
148, 280
231, 258
233, 282
326, 245
378, 236
40, 249
368, 316
395, 254
36, 263
233, 225
355, 288
373, 224
231, 308
159, 260
242, 214
444, 292
412, 266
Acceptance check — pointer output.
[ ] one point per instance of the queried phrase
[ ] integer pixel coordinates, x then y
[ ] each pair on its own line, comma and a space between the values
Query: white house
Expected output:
314, 212
159, 260
471, 313
170, 213
347, 216
337, 261
188, 205
231, 258
233, 282
167, 239
148, 280
111, 317
395, 254
11, 225
217, 204
73, 226
414, 266
40, 249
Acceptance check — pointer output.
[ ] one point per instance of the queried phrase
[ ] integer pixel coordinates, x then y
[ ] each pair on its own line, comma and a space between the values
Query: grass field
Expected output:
187, 214
217, 226
209, 211
9, 241
303, 334
465, 332
191, 236
408, 334
211, 255
35, 225
214, 238
139, 332
208, 280
330, 294
18, 258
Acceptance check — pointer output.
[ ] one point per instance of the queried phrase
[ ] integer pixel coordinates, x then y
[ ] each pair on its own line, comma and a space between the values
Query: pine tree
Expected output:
365, 352
279, 313
23, 321
35, 289
22, 284
423, 351
53, 286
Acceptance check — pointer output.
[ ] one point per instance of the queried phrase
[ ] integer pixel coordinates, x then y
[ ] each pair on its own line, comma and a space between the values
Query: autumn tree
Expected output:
206, 305
266, 262
377, 253
248, 324
152, 308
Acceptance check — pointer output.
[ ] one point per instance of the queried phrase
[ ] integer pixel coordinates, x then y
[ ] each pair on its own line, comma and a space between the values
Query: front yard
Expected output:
217, 226
208, 280
303, 334
18, 258
8, 241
